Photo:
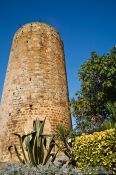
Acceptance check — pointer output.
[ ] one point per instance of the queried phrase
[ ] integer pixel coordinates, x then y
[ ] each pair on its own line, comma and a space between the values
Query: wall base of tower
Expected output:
23, 123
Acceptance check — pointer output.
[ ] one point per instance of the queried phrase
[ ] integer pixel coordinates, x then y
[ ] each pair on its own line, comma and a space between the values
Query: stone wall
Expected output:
35, 84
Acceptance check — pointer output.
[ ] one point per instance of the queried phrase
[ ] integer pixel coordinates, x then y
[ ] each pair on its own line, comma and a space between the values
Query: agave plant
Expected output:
64, 143
34, 149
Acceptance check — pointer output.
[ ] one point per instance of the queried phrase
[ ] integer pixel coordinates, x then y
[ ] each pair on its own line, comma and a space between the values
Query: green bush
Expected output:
95, 150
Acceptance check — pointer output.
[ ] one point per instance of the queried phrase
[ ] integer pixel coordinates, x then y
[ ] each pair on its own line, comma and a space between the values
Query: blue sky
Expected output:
84, 25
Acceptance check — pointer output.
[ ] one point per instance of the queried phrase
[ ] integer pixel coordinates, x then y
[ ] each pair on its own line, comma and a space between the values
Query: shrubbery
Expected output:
88, 154
95, 150
48, 169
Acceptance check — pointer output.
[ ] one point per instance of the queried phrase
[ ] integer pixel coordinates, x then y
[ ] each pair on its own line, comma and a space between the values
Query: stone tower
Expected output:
35, 84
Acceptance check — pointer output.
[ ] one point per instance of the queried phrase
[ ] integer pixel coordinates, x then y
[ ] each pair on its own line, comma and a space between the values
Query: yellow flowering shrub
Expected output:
97, 149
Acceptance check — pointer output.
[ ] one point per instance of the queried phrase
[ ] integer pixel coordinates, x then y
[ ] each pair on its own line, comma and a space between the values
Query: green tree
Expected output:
98, 88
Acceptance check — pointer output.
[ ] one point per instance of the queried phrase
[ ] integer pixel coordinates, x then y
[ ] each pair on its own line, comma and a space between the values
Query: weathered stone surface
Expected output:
35, 84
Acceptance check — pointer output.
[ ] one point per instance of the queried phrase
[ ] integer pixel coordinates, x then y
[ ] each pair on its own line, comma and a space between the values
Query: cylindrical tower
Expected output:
35, 84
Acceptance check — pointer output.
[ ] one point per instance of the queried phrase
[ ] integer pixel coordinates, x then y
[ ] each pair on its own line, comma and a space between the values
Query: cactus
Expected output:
33, 146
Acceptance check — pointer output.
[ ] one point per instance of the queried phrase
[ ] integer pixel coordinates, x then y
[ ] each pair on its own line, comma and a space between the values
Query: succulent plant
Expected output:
34, 149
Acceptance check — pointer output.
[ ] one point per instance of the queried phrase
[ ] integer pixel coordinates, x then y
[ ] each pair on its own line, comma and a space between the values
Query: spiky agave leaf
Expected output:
44, 141
26, 135
29, 143
51, 146
42, 126
38, 146
54, 156
21, 146
19, 155
30, 153
36, 127
41, 150
9, 149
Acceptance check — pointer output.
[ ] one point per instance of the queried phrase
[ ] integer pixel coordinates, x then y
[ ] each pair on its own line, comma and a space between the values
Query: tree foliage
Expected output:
98, 88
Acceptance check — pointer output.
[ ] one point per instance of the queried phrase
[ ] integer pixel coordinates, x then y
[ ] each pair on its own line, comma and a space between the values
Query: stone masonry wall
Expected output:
35, 84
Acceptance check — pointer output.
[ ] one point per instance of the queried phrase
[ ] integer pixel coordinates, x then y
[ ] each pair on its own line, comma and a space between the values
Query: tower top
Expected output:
36, 26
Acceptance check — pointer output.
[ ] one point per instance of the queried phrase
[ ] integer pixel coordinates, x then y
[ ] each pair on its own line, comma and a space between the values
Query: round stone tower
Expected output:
35, 84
